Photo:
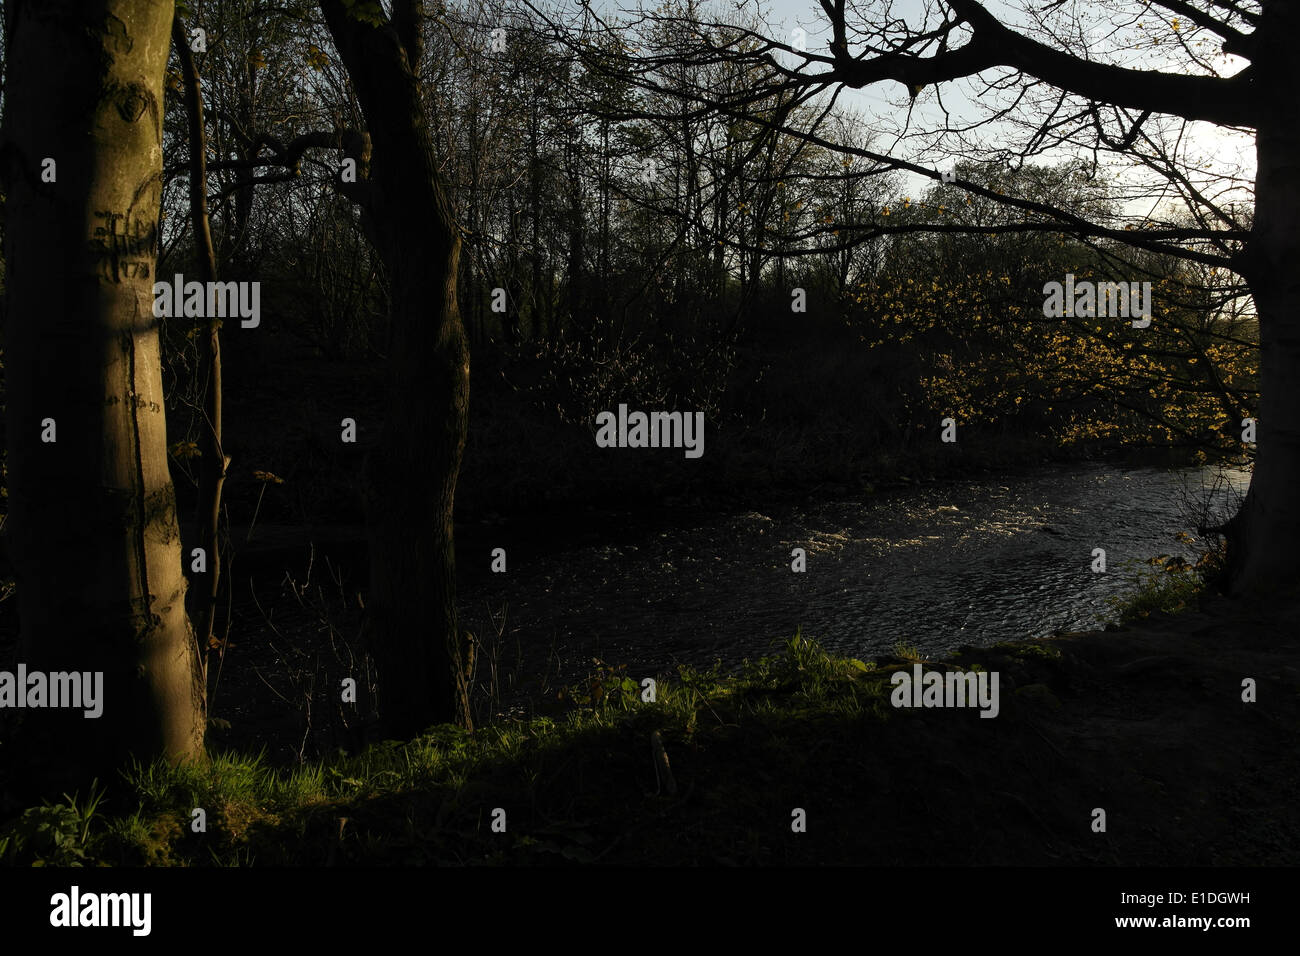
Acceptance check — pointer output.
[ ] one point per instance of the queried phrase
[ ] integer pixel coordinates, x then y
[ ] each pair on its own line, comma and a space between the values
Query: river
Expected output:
967, 562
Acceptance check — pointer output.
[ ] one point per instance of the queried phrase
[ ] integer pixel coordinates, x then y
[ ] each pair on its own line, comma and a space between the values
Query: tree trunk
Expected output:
1264, 535
93, 525
212, 460
575, 240
540, 302
423, 661
512, 282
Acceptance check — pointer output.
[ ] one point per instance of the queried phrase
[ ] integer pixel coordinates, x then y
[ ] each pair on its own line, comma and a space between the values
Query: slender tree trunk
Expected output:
575, 241
240, 242
513, 284
422, 658
95, 539
212, 460
540, 303
474, 273
1264, 536
604, 299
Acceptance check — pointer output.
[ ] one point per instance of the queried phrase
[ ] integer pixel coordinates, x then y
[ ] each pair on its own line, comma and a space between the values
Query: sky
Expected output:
1153, 45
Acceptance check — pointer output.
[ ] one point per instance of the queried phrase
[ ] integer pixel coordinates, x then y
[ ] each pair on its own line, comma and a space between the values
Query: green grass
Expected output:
429, 799
580, 782
55, 833
797, 728
1164, 585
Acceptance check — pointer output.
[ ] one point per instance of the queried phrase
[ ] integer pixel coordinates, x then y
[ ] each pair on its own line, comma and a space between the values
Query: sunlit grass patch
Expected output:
431, 799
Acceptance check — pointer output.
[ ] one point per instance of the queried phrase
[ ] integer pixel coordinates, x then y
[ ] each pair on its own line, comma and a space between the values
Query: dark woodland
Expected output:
459, 432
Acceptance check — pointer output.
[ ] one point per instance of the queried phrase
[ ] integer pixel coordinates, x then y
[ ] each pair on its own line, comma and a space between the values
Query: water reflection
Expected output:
937, 567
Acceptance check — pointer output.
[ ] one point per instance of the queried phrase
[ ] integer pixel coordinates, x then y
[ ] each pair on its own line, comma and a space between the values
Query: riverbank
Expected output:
1145, 723
530, 450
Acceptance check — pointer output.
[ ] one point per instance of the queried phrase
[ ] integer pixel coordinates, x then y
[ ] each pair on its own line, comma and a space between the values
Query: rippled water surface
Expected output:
972, 562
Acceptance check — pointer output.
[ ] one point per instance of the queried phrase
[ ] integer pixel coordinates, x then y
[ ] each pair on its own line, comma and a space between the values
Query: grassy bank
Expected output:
1146, 723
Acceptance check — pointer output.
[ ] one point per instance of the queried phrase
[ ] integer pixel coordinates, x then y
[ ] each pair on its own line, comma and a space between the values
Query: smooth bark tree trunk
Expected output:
423, 660
1264, 536
92, 520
